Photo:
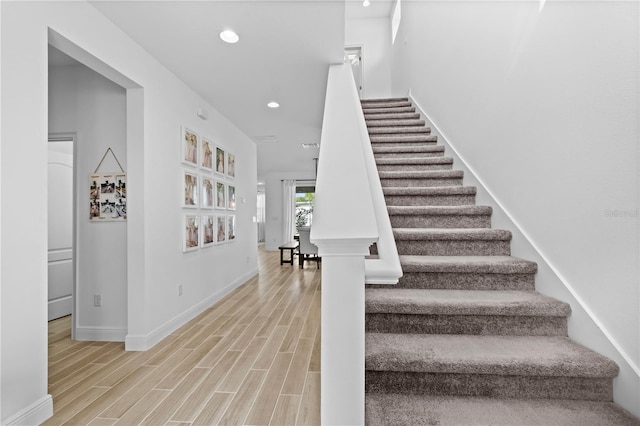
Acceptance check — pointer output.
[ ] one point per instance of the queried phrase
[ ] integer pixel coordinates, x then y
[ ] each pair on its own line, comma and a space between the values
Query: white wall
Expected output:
273, 209
543, 105
82, 101
154, 226
374, 35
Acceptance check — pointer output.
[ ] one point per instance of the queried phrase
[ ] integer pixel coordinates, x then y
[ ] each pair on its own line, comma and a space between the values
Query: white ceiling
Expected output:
283, 54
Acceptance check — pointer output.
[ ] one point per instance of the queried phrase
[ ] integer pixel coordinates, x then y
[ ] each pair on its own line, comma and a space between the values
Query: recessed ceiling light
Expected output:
273, 104
229, 36
366, 3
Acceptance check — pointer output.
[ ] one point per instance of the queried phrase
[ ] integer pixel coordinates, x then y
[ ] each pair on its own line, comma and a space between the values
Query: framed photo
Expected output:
221, 195
206, 154
190, 186
207, 192
107, 197
231, 197
208, 230
189, 147
231, 165
221, 229
220, 161
231, 228
191, 234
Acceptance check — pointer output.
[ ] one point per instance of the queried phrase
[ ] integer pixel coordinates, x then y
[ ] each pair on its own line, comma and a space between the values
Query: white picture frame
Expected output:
231, 165
220, 160
231, 197
206, 154
190, 233
221, 229
231, 228
221, 195
208, 228
107, 197
189, 147
190, 181
207, 193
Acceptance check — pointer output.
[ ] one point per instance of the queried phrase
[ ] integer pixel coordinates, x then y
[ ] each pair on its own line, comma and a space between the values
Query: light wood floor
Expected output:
251, 359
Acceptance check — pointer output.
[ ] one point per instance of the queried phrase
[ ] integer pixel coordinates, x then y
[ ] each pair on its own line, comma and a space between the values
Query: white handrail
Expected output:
349, 216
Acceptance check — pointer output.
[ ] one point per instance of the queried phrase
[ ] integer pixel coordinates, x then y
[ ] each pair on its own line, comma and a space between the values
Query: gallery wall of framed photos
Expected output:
208, 192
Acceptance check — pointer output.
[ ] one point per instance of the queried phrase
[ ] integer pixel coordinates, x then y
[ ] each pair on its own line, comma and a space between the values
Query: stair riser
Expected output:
412, 167
466, 324
467, 281
396, 116
488, 385
375, 101
424, 139
430, 200
409, 130
385, 104
383, 155
453, 247
394, 123
415, 182
401, 144
375, 111
440, 221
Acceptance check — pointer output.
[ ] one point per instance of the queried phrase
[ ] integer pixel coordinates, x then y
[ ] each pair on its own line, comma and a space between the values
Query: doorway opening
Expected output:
354, 57
61, 225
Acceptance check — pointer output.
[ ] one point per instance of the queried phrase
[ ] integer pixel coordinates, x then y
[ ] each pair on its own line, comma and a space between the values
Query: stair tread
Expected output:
385, 104
387, 110
449, 234
462, 302
440, 210
468, 264
486, 354
429, 190
404, 174
394, 409
414, 160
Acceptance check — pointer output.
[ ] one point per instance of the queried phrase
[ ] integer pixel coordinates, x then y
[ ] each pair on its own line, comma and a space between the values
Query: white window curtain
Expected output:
288, 209
261, 216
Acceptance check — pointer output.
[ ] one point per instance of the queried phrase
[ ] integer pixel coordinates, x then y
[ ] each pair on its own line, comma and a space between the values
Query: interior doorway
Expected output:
61, 225
354, 56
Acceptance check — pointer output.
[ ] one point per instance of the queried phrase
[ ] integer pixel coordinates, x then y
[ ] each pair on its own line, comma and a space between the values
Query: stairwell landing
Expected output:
464, 338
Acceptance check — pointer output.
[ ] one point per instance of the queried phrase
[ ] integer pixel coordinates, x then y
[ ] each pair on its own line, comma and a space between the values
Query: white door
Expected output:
354, 56
60, 220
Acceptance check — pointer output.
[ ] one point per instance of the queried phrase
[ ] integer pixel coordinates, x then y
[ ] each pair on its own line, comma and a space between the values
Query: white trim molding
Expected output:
143, 342
34, 414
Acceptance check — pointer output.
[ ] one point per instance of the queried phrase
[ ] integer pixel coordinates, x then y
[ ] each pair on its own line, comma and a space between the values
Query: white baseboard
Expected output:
143, 342
34, 414
59, 308
101, 334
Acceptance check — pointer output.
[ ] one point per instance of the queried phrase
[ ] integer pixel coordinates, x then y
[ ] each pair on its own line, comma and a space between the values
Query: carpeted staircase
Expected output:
464, 338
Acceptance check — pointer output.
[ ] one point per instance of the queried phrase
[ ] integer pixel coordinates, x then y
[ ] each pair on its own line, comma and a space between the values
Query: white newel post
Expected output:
342, 341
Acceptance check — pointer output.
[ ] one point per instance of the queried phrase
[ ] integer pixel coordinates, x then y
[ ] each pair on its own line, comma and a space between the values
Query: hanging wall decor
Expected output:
190, 185
189, 147
231, 228
206, 156
191, 237
108, 194
220, 160
231, 197
221, 229
221, 195
231, 165
208, 230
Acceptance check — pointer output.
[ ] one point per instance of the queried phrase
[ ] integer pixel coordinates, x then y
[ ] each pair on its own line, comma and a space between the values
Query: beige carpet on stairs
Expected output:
464, 338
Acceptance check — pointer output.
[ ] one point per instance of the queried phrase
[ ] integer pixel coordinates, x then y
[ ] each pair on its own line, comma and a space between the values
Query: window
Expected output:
305, 197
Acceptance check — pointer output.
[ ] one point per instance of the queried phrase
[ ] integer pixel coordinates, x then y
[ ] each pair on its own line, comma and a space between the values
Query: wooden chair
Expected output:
307, 250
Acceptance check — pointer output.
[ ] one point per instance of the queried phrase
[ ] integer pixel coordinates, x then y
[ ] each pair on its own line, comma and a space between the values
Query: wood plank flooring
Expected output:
251, 359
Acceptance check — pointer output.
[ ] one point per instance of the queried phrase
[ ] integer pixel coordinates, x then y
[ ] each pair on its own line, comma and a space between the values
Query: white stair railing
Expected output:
349, 216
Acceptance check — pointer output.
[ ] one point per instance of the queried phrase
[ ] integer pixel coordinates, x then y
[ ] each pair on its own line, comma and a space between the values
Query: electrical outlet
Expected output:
179, 289
97, 300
